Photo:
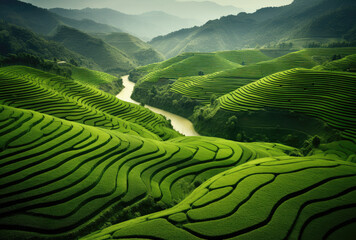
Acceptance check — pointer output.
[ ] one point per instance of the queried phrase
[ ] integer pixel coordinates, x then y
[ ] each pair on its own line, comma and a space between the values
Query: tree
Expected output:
213, 99
200, 73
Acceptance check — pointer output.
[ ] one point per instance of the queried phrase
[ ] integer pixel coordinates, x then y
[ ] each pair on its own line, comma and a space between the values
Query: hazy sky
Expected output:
249, 5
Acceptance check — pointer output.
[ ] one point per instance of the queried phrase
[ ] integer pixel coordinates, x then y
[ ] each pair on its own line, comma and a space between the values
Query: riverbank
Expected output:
180, 124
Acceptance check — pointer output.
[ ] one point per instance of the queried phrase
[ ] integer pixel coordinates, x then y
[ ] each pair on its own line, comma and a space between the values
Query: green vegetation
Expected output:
17, 40
157, 81
75, 160
68, 99
346, 64
278, 198
141, 52
195, 64
177, 84
103, 81
109, 58
220, 83
44, 22
278, 106
317, 21
61, 179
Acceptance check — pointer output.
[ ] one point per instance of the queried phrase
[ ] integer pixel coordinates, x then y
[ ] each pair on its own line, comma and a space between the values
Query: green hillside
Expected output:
68, 99
270, 198
109, 58
16, 40
156, 81
290, 106
103, 81
319, 19
347, 64
44, 22
135, 48
83, 174
190, 64
220, 83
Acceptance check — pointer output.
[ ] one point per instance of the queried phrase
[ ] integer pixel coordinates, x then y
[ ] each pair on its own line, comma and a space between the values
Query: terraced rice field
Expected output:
225, 81
271, 198
29, 88
329, 96
190, 64
74, 160
60, 179
90, 77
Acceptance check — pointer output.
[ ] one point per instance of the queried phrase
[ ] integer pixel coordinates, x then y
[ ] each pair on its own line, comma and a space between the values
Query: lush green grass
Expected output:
220, 83
29, 88
273, 198
60, 178
90, 77
103, 81
329, 96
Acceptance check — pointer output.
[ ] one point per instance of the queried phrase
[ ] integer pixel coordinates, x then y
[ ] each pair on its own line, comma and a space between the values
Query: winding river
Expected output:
179, 123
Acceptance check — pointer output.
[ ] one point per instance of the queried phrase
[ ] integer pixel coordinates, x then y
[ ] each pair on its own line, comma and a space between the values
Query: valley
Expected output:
180, 124
174, 120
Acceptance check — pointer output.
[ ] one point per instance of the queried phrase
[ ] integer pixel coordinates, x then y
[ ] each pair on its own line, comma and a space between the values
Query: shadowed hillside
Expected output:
301, 19
43, 21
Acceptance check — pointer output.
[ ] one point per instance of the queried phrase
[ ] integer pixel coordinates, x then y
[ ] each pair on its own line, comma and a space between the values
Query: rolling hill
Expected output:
251, 201
330, 19
32, 89
290, 106
44, 22
74, 157
220, 83
192, 79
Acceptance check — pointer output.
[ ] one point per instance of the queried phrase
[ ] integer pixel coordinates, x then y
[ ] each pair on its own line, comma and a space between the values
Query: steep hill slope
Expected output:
282, 198
47, 93
83, 175
220, 83
290, 106
146, 26
139, 51
15, 40
109, 58
319, 18
43, 21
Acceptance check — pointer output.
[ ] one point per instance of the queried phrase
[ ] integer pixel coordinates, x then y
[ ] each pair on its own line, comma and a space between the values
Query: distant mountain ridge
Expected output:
145, 26
318, 18
202, 11
42, 21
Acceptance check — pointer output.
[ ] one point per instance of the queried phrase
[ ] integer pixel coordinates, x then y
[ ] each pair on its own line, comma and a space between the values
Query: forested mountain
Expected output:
17, 40
301, 19
44, 22
147, 25
109, 58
